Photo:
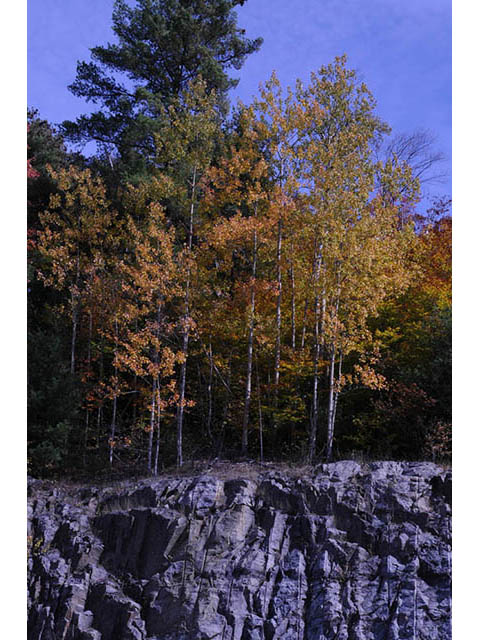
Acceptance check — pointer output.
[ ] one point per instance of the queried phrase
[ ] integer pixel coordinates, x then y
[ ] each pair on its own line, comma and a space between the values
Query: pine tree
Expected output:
163, 45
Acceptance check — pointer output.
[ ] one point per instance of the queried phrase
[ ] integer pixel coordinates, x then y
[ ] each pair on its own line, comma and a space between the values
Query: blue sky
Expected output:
402, 50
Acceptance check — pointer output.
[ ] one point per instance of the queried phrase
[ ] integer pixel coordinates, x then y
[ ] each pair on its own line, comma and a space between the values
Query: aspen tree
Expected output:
350, 216
237, 182
74, 239
186, 142
151, 281
279, 125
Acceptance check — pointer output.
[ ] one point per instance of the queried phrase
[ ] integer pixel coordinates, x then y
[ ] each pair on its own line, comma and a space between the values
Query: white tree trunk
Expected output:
152, 428
113, 426
314, 418
260, 418
292, 281
251, 328
157, 448
278, 320
75, 314
186, 333
209, 392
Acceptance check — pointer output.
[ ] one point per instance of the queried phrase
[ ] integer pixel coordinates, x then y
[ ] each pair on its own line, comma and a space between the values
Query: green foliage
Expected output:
411, 417
162, 46
53, 399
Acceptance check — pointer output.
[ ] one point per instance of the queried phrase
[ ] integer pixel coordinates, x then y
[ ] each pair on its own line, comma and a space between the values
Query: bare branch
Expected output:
417, 149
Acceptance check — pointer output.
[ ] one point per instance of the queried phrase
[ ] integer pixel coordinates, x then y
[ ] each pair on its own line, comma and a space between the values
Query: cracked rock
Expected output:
348, 552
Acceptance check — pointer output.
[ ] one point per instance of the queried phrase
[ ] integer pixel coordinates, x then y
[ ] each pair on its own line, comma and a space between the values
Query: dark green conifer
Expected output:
162, 45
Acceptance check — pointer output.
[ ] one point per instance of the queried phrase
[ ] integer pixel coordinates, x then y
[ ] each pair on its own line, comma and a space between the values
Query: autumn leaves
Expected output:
231, 293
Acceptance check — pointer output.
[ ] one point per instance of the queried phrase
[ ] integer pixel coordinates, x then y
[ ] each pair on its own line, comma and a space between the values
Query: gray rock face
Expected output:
351, 552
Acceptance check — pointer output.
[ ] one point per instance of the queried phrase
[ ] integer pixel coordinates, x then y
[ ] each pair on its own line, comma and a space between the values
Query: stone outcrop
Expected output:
347, 552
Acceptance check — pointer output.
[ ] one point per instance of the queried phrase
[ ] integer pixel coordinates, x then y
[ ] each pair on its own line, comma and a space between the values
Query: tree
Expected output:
281, 125
236, 184
46, 148
189, 131
74, 237
53, 398
316, 194
270, 288
163, 45
149, 286
75, 246
417, 149
53, 394
411, 415
350, 227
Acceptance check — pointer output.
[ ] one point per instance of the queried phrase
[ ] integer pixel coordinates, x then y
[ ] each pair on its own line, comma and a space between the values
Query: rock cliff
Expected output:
346, 552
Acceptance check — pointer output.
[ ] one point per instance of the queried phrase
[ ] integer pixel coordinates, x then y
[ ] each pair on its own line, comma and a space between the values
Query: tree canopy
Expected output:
269, 291
259, 285
162, 46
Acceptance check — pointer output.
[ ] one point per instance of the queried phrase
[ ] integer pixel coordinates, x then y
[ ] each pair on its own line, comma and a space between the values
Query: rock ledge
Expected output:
350, 552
